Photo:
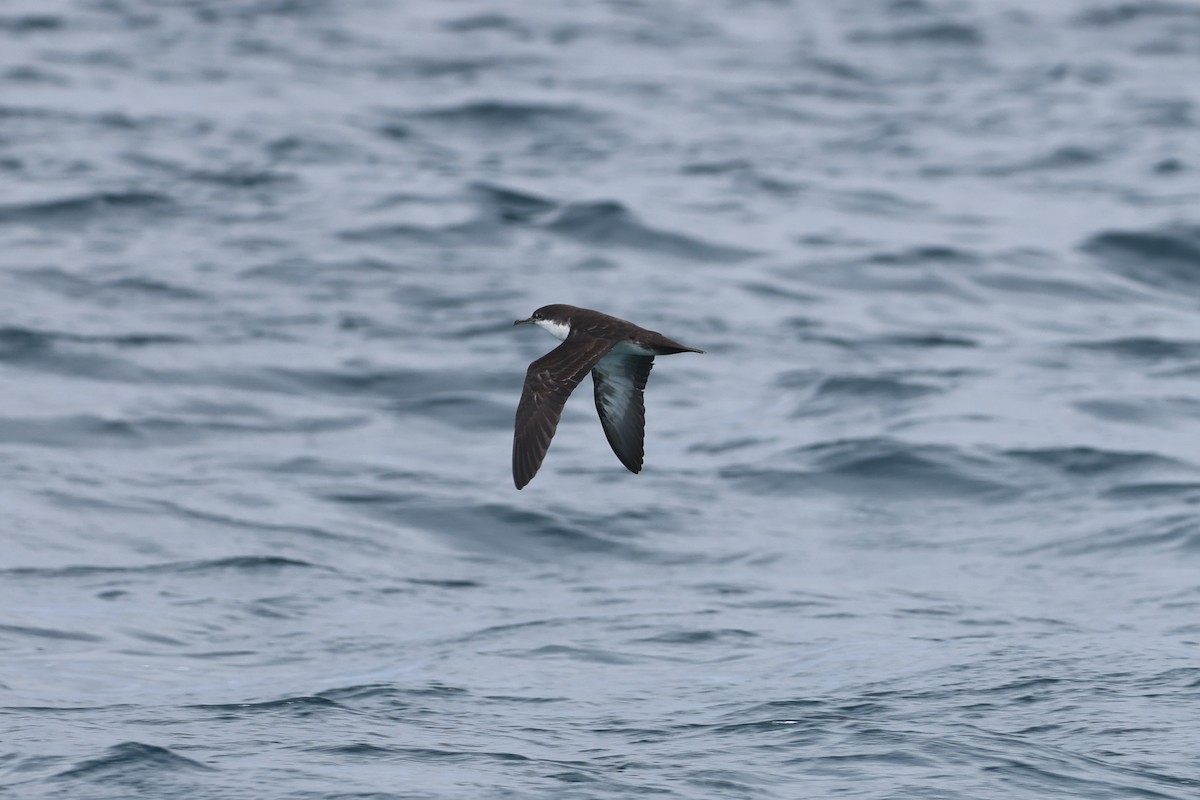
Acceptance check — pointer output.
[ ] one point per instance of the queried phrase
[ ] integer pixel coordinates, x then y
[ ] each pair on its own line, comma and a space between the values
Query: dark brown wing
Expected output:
549, 381
620, 380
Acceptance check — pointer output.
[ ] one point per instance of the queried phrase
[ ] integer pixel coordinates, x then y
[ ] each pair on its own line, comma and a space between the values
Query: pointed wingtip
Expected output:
633, 466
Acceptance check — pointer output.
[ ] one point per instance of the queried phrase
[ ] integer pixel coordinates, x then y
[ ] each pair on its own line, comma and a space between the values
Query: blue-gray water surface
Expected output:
924, 522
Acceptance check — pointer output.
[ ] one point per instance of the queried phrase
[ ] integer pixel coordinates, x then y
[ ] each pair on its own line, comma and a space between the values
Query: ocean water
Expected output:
924, 522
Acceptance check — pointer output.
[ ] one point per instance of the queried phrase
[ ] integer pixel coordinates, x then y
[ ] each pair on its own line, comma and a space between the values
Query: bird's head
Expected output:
556, 319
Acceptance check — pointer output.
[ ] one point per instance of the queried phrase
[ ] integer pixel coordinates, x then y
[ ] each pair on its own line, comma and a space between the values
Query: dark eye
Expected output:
537, 315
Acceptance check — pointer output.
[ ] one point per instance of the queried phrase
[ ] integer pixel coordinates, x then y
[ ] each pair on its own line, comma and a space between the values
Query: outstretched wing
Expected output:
549, 381
620, 380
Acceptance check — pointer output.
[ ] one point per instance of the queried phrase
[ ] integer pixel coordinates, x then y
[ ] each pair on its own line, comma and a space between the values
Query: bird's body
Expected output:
619, 355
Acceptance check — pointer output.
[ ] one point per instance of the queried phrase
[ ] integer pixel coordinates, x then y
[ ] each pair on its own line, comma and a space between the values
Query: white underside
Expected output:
556, 329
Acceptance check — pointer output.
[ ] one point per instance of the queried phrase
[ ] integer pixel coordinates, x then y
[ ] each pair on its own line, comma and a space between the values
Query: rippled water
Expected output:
924, 522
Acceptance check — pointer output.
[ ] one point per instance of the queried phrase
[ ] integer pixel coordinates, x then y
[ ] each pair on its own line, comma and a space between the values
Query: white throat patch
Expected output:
558, 330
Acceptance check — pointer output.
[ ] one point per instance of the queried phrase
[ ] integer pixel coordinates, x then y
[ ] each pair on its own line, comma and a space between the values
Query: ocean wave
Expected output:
48, 633
1164, 412
268, 564
131, 762
82, 209
957, 34
510, 531
101, 291
1145, 349
236, 177
23, 24
596, 223
607, 223
497, 116
1171, 533
94, 431
1167, 257
893, 470
882, 468
890, 393
1090, 462
1126, 13
297, 706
